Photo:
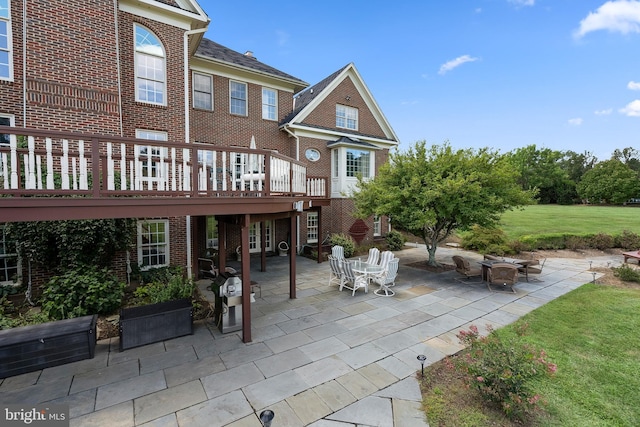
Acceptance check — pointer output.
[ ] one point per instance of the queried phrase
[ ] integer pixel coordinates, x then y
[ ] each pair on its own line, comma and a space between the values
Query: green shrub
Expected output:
602, 241
502, 370
173, 286
486, 240
82, 291
628, 240
545, 241
346, 241
626, 273
158, 274
577, 242
395, 240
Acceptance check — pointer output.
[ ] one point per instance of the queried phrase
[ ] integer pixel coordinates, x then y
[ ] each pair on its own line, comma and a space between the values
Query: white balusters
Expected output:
49, 147
123, 167
64, 165
110, 168
83, 167
30, 176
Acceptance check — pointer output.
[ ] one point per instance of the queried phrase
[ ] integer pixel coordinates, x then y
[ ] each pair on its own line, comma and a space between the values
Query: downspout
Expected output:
117, 34
187, 134
297, 138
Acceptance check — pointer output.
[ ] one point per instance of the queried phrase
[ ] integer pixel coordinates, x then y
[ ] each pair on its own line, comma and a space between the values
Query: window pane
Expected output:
4, 9
202, 91
269, 104
238, 98
147, 42
358, 163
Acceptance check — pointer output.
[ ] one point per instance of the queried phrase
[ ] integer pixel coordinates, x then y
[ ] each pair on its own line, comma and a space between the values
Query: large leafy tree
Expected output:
610, 181
629, 156
539, 168
432, 191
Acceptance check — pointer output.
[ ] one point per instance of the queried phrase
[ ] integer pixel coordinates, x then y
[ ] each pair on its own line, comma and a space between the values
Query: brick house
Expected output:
246, 160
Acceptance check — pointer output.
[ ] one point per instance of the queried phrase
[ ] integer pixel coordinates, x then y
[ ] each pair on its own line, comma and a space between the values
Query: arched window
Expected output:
150, 67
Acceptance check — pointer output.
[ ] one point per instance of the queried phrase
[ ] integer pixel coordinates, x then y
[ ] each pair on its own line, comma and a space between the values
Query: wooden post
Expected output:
292, 256
246, 279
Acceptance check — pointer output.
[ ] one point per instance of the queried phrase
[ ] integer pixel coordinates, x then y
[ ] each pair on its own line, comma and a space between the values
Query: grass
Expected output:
543, 219
592, 335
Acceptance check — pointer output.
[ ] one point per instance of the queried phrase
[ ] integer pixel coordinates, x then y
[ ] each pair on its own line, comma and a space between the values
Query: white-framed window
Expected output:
10, 266
153, 243
237, 98
346, 117
202, 91
358, 163
6, 48
150, 156
6, 120
335, 164
377, 226
312, 227
269, 104
150, 67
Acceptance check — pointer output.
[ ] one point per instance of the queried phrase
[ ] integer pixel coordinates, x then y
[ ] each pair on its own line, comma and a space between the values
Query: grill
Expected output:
228, 306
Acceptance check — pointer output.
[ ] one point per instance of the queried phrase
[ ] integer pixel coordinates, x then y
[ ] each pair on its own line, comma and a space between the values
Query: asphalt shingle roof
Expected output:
213, 50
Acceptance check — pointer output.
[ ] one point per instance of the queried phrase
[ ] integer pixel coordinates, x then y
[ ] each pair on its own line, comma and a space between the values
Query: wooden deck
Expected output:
48, 175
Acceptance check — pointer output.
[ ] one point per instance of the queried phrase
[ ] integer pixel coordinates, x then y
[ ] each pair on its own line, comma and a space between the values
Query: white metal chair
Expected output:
385, 258
351, 280
338, 252
335, 275
374, 256
387, 279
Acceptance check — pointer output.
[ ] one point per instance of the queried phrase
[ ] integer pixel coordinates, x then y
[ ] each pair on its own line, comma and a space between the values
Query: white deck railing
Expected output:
37, 162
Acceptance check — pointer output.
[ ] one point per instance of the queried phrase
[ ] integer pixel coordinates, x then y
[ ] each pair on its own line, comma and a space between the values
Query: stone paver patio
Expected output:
325, 359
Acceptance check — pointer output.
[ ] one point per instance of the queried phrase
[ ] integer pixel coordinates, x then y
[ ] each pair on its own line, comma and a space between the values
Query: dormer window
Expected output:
149, 67
346, 117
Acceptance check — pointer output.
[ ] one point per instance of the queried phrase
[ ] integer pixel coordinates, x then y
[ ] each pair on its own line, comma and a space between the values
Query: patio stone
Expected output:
216, 412
114, 416
122, 391
356, 384
232, 379
164, 402
334, 395
308, 406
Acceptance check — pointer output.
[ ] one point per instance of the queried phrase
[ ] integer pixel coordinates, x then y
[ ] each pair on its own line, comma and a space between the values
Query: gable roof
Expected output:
306, 101
216, 52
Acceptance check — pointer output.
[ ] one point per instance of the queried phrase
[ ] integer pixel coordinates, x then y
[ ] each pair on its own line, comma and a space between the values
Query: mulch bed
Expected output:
422, 265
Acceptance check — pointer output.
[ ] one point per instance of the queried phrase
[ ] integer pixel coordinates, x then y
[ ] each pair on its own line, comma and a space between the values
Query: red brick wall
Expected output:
222, 128
140, 115
71, 68
325, 114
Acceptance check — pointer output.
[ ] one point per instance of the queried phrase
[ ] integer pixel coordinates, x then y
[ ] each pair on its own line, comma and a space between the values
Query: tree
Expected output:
575, 166
540, 168
610, 181
430, 192
628, 156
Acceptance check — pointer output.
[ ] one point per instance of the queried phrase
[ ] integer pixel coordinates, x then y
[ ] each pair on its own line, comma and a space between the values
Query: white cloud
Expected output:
633, 85
523, 2
616, 16
632, 109
575, 122
450, 65
605, 112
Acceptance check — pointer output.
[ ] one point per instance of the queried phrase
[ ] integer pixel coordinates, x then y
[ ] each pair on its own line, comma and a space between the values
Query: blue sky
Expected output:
561, 74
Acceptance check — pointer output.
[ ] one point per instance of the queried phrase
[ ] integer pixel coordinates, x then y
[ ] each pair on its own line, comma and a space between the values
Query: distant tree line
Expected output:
567, 177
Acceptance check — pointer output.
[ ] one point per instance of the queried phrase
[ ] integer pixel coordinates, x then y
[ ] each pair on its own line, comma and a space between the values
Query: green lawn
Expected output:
592, 335
543, 219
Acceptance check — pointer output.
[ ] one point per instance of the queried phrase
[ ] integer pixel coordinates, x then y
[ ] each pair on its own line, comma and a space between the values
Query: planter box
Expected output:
155, 322
35, 347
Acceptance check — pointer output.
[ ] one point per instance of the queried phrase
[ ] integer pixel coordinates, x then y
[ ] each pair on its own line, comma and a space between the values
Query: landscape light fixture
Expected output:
266, 417
590, 262
594, 277
422, 358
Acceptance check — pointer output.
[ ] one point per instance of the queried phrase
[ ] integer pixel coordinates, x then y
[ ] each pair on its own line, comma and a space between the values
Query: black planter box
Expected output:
30, 348
155, 322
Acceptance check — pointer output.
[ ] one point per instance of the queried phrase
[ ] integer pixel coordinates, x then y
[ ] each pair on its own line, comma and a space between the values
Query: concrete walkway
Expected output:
325, 359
